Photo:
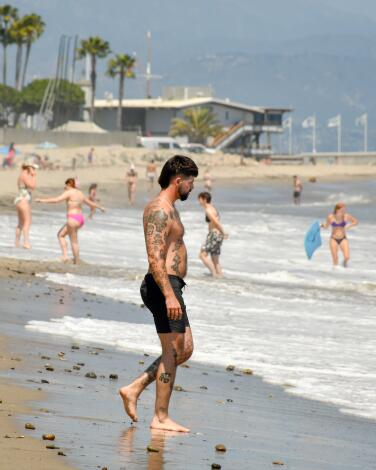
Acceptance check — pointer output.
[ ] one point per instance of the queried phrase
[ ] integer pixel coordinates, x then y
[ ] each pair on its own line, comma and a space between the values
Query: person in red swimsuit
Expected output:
75, 219
340, 221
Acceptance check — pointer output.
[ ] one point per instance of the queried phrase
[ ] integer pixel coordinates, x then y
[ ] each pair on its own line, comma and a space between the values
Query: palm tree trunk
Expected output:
93, 79
119, 123
4, 64
28, 49
18, 66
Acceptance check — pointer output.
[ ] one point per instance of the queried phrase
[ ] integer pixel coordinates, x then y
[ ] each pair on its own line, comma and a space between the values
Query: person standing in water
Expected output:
211, 249
298, 188
161, 290
93, 198
74, 199
131, 183
151, 173
339, 221
26, 184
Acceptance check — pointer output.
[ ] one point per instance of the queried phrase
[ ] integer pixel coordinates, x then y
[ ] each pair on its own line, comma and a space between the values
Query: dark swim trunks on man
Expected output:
155, 301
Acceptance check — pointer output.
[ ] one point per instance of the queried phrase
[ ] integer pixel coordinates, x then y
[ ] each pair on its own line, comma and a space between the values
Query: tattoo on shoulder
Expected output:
155, 221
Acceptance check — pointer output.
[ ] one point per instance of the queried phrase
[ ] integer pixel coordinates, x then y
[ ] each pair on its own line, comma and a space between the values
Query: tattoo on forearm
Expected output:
165, 377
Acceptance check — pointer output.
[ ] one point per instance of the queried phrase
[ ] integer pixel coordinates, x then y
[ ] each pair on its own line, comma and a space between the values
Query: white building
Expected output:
244, 125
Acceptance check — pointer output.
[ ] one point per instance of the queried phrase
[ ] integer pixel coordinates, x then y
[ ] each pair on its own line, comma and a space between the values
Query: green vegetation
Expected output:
96, 48
9, 102
198, 124
121, 65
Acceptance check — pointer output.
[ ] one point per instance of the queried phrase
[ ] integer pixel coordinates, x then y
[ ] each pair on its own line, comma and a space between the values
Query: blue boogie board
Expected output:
312, 239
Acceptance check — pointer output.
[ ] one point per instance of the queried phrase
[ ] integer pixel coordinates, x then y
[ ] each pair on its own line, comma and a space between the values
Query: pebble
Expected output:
49, 368
178, 388
61, 354
215, 466
141, 362
247, 371
204, 387
185, 366
91, 375
113, 376
152, 449
61, 453
82, 364
52, 446
48, 437
30, 426
76, 367
74, 346
220, 448
229, 400
277, 462
230, 368
44, 381
67, 370
45, 358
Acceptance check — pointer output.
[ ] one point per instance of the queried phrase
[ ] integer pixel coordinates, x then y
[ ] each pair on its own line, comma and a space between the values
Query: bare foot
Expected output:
167, 425
130, 402
27, 246
64, 260
17, 244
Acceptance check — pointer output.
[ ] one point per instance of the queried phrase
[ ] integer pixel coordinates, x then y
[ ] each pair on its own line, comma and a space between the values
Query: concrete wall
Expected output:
158, 121
67, 139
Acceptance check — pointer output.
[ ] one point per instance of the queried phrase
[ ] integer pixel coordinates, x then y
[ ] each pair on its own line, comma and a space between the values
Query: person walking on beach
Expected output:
340, 221
9, 159
161, 290
131, 183
298, 188
151, 173
211, 249
208, 180
26, 184
93, 198
90, 156
74, 199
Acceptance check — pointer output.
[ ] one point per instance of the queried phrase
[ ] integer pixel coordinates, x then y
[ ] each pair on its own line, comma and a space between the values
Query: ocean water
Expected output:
299, 323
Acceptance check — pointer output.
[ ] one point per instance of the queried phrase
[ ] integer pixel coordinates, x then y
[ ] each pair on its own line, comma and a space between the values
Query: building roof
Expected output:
159, 103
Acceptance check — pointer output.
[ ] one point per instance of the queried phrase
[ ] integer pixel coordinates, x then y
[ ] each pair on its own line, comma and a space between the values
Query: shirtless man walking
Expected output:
161, 290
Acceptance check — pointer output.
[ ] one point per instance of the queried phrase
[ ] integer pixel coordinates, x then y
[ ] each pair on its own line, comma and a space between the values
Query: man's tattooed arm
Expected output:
156, 226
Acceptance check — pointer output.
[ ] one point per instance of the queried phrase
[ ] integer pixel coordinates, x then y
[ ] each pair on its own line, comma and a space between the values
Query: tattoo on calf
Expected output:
165, 377
151, 372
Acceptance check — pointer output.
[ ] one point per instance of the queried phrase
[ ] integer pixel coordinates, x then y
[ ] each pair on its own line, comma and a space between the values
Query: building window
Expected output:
227, 115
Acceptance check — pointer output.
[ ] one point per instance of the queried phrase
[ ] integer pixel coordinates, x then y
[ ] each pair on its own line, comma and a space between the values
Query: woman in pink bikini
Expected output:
75, 218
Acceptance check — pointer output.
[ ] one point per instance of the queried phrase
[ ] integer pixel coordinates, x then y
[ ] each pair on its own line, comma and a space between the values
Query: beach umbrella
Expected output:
5, 149
47, 145
312, 239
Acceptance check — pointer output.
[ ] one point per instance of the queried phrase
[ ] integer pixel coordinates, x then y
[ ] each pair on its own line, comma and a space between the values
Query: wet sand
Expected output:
257, 422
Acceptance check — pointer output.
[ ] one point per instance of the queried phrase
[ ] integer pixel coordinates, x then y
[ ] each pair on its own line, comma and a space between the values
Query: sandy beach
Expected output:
45, 384
111, 164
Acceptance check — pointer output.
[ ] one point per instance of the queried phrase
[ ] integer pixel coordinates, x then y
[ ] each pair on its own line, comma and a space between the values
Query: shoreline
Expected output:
243, 412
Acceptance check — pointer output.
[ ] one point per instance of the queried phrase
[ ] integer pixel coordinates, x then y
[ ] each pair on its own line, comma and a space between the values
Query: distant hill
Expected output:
314, 55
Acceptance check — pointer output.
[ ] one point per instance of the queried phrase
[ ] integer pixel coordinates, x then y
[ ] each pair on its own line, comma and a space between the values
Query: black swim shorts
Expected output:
155, 301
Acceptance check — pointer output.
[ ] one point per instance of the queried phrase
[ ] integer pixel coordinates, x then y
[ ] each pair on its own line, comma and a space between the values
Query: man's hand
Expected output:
174, 310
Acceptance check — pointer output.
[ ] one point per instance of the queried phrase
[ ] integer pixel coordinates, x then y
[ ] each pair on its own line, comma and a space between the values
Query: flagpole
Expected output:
366, 132
314, 134
339, 134
290, 137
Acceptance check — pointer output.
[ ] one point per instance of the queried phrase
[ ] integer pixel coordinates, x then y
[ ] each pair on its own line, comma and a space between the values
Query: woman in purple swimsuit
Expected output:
340, 221
75, 218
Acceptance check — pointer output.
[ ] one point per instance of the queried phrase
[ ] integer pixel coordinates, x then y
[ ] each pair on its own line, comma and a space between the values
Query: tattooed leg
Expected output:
171, 343
131, 392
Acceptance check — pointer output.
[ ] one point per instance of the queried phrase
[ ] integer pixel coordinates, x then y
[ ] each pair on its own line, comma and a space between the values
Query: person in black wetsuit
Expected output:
340, 221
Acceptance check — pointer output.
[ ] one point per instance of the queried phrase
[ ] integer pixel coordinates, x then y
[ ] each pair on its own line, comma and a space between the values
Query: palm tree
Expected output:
34, 28
8, 15
18, 34
198, 124
122, 65
95, 47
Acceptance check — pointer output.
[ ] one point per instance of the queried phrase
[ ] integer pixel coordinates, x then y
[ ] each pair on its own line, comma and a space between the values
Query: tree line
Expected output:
22, 32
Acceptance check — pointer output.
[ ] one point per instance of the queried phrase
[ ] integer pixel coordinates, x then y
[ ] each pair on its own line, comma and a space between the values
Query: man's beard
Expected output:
183, 196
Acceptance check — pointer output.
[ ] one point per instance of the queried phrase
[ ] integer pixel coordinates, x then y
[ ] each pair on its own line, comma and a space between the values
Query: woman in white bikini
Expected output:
340, 221
75, 219
26, 184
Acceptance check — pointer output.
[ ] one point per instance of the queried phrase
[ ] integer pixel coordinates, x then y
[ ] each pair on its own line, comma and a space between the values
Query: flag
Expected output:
335, 121
309, 122
361, 120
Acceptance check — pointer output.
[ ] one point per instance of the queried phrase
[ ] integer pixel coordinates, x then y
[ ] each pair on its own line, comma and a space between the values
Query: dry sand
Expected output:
111, 163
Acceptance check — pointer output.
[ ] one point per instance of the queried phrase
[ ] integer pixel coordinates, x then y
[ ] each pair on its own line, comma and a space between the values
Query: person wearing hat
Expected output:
26, 184
340, 221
